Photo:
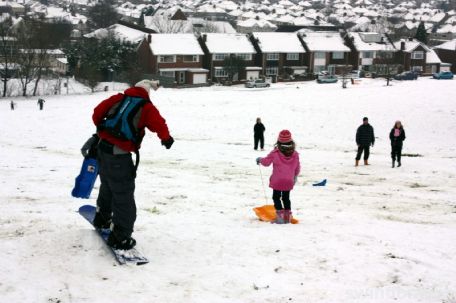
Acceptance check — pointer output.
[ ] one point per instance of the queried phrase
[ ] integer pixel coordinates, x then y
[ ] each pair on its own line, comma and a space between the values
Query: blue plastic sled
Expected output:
322, 183
86, 179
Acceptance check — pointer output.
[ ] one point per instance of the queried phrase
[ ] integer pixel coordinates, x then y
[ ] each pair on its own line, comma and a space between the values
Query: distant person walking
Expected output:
12, 105
397, 137
258, 134
364, 139
41, 103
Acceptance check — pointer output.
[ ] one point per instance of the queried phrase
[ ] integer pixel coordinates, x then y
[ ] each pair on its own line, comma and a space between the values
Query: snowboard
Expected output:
86, 180
131, 256
267, 213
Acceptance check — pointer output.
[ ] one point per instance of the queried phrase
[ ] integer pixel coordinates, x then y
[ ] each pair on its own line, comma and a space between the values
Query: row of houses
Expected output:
199, 59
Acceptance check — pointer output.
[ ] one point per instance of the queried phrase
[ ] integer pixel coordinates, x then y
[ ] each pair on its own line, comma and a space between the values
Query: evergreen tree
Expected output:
421, 34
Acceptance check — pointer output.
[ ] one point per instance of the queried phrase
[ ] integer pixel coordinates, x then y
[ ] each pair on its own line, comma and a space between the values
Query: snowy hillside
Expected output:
373, 234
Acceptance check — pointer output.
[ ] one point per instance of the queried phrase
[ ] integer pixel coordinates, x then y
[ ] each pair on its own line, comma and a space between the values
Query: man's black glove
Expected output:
168, 143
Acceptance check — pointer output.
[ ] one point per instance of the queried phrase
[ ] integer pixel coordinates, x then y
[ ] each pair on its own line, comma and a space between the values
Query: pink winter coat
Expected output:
284, 169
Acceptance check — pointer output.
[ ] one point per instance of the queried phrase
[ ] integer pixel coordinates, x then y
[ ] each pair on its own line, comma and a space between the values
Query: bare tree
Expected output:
165, 26
6, 52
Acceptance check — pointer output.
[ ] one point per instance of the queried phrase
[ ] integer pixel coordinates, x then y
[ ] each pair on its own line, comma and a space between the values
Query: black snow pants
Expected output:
281, 196
116, 195
396, 152
258, 139
361, 149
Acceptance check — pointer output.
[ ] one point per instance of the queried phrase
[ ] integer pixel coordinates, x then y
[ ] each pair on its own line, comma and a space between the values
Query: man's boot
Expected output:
393, 163
357, 163
365, 162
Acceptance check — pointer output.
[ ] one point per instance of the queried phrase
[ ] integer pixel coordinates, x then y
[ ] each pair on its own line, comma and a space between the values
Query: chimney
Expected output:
149, 38
402, 45
204, 38
410, 39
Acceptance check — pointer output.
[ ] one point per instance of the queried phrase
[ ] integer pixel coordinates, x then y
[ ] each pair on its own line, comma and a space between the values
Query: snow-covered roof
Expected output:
175, 44
371, 42
449, 45
120, 31
410, 45
275, 42
228, 44
324, 42
432, 57
256, 23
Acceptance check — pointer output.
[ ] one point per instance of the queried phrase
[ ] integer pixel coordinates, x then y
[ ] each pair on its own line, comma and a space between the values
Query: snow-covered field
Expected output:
373, 234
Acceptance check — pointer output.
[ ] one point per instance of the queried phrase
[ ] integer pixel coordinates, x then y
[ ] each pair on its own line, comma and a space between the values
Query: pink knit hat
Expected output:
284, 136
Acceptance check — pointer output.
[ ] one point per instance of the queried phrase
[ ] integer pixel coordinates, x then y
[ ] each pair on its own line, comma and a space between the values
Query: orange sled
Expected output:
267, 213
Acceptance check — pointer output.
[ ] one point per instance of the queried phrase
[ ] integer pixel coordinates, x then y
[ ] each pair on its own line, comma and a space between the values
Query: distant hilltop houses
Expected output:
200, 42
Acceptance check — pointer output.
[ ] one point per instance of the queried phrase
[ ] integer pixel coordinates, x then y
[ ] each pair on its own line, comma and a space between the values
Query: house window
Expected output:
167, 74
318, 68
246, 57
418, 55
272, 57
293, 56
320, 55
272, 70
337, 55
191, 58
220, 57
220, 72
367, 55
167, 59
417, 68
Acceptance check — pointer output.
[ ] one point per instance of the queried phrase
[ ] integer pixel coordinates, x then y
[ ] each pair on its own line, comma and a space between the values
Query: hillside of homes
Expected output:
196, 43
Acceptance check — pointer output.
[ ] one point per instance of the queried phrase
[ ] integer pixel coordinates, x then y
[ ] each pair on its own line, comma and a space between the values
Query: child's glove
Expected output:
168, 143
258, 160
295, 180
89, 148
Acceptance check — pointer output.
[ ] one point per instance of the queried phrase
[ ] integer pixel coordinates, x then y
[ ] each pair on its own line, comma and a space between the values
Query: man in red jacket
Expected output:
116, 207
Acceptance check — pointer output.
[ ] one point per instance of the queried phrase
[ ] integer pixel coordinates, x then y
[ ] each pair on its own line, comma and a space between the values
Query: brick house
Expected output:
280, 55
417, 56
326, 51
447, 53
174, 56
371, 52
217, 47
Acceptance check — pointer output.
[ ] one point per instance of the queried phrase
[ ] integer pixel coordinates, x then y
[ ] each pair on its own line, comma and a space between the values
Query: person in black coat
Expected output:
258, 134
397, 136
365, 138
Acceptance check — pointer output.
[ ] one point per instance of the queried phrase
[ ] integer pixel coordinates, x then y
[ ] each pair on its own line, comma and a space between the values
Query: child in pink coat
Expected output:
285, 170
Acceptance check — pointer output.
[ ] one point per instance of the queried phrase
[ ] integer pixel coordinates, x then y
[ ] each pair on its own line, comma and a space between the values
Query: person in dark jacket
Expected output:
397, 136
258, 134
364, 139
116, 208
41, 103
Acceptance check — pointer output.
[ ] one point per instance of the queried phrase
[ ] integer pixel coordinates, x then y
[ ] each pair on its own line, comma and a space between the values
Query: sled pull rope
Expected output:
262, 183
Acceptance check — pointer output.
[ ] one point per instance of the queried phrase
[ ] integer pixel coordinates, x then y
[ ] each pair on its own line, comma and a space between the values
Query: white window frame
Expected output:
292, 56
220, 72
320, 55
246, 57
272, 56
418, 55
161, 59
168, 74
219, 57
338, 55
367, 55
272, 71
417, 68
195, 58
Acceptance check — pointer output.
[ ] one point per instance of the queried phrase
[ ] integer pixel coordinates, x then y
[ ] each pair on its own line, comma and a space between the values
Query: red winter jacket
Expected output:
150, 118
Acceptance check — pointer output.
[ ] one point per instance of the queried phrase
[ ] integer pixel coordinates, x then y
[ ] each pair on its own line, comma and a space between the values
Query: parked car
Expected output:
443, 75
326, 78
411, 75
257, 83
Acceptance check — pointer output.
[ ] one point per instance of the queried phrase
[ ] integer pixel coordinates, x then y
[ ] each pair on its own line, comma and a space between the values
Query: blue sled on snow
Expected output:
322, 183
86, 179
